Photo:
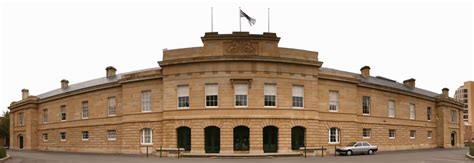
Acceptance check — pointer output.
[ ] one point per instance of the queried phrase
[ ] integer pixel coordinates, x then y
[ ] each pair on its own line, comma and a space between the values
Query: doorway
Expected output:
297, 137
270, 139
241, 138
184, 138
453, 138
20, 142
212, 139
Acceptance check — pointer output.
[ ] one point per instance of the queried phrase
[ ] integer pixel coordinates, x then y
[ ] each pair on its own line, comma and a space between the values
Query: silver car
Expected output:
360, 147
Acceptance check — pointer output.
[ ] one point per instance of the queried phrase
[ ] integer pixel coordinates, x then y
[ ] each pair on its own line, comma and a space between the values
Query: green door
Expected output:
20, 142
212, 139
297, 137
270, 139
453, 139
184, 138
241, 138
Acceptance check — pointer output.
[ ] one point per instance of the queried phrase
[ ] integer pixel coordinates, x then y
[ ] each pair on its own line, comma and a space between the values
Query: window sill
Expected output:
412, 138
333, 143
183, 107
146, 144
365, 137
111, 139
63, 140
429, 138
147, 111
334, 111
85, 117
113, 115
297, 107
391, 138
212, 107
269, 106
366, 114
241, 106
85, 139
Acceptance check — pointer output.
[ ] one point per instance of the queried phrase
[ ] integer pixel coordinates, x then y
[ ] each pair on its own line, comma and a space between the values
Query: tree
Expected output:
5, 127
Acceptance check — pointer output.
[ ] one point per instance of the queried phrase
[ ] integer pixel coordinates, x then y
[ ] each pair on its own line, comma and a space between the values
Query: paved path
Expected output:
413, 156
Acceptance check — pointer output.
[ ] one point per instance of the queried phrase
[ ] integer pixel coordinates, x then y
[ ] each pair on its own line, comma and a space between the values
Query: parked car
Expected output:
360, 147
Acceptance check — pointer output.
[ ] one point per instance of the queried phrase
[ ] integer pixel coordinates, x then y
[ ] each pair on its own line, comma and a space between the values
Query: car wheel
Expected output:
371, 152
349, 153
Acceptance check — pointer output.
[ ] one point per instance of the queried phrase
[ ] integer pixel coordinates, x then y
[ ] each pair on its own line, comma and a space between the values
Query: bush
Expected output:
471, 150
3, 152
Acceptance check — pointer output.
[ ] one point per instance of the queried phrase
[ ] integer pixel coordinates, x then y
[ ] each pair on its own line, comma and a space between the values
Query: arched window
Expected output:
147, 136
334, 135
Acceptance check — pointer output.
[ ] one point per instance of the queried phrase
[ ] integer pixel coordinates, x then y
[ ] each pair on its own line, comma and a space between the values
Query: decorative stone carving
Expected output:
240, 47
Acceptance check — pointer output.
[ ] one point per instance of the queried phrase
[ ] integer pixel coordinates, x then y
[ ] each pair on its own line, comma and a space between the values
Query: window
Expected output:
412, 134
63, 113
366, 105
45, 115
111, 135
111, 106
241, 91
146, 101
366, 132
430, 134
333, 135
429, 113
391, 134
45, 137
85, 109
183, 96
212, 95
333, 101
146, 137
298, 96
453, 116
85, 135
269, 92
21, 119
412, 111
391, 109
62, 136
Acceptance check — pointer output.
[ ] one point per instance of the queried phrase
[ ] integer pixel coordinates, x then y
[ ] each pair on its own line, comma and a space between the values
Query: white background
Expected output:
46, 41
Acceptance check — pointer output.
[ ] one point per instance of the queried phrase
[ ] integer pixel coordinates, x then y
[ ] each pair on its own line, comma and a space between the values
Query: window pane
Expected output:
366, 105
333, 101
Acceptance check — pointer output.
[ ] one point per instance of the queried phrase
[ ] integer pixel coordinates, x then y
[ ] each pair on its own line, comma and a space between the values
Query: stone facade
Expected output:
227, 60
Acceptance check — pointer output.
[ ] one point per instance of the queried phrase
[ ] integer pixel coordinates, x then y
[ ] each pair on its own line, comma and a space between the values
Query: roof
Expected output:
382, 82
82, 85
90, 83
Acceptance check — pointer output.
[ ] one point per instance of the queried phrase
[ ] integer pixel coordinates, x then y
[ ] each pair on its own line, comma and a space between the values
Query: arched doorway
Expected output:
453, 138
212, 139
241, 138
20, 141
184, 138
270, 139
297, 137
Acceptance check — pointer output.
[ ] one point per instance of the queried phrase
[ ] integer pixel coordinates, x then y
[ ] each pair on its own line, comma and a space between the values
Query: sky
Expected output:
45, 41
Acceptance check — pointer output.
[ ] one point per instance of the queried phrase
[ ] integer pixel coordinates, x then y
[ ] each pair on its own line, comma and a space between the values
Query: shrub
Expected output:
471, 150
3, 152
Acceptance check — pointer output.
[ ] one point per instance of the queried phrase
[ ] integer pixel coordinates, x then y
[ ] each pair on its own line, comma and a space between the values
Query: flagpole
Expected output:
269, 20
240, 24
212, 19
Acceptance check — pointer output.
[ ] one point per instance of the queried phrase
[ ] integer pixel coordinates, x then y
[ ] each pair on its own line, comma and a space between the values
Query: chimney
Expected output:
409, 83
445, 92
110, 71
365, 71
24, 93
64, 84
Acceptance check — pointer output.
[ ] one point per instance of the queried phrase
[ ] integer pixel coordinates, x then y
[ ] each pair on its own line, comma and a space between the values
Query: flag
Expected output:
251, 20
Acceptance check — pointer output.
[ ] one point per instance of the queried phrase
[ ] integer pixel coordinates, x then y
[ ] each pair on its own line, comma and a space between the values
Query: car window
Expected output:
366, 144
351, 144
358, 145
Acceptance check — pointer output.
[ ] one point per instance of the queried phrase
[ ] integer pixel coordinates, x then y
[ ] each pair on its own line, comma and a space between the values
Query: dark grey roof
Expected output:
90, 83
82, 85
382, 82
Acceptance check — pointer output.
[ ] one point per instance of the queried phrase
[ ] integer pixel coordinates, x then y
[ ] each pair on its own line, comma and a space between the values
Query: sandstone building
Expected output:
465, 95
238, 94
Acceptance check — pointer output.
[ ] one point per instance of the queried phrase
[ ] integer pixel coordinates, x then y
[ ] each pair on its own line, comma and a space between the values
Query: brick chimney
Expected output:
365, 71
24, 93
445, 92
64, 84
409, 83
110, 71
